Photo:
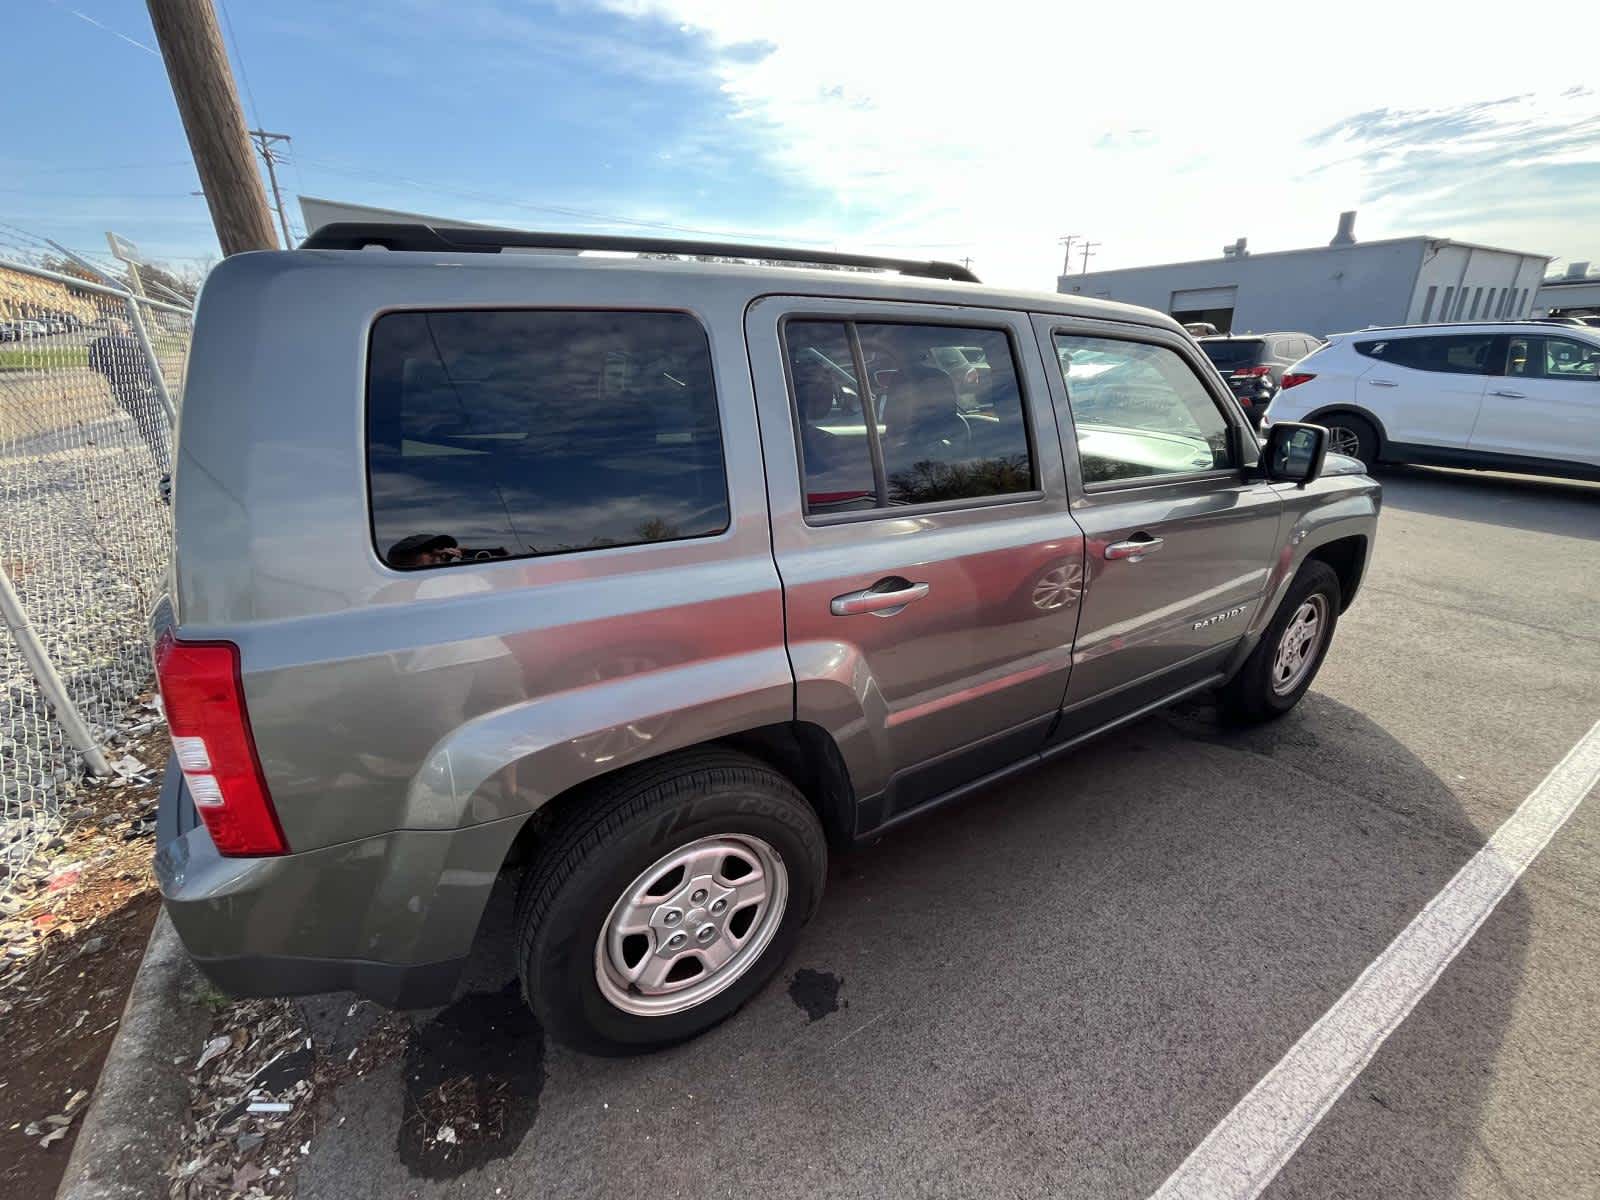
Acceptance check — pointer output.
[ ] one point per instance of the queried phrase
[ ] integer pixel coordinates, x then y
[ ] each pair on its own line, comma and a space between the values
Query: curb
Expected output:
141, 1102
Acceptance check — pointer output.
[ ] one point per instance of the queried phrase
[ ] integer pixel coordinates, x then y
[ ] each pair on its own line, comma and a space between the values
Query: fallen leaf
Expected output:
55, 1135
244, 1176
213, 1048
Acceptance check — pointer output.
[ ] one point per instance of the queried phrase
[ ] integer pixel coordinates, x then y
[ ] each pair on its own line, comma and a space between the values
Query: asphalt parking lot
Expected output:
1058, 988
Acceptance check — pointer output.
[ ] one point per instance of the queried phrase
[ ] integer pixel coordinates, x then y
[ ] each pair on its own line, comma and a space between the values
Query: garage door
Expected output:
1202, 298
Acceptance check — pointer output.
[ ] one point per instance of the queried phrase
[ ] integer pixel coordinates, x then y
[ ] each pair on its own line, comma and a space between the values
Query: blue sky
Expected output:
874, 126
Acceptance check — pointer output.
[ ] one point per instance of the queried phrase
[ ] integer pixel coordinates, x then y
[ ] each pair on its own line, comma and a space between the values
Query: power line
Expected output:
138, 166
113, 32
227, 19
101, 195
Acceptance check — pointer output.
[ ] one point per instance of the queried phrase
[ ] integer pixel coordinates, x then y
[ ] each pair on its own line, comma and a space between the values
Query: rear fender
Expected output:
835, 688
512, 761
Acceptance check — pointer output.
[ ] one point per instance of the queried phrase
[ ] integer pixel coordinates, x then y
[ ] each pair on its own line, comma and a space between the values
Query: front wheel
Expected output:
675, 893
1286, 660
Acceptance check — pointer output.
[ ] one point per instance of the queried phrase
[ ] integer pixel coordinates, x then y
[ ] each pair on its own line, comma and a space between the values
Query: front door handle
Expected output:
1383, 383
884, 598
1511, 395
1135, 548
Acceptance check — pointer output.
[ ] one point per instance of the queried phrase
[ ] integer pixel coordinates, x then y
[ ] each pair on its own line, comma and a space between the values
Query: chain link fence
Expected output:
90, 377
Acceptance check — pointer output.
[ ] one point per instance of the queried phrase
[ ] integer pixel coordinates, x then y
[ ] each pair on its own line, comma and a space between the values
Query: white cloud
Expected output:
990, 129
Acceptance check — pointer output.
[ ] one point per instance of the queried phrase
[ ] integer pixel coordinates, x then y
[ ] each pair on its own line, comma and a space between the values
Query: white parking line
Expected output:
1249, 1146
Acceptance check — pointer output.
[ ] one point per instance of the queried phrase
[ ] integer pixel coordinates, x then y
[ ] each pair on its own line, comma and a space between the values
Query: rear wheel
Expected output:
1290, 652
675, 893
1352, 435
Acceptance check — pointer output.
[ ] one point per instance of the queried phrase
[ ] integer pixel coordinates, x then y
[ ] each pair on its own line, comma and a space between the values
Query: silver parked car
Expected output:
655, 580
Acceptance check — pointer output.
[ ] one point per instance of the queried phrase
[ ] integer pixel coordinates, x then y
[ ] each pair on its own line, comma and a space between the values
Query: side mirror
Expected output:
1294, 452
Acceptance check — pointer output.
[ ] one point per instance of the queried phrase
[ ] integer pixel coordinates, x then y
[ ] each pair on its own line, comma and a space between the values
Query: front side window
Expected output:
890, 414
512, 433
1139, 411
1568, 359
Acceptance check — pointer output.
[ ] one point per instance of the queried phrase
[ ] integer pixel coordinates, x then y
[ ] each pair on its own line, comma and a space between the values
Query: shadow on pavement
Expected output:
1566, 508
1055, 988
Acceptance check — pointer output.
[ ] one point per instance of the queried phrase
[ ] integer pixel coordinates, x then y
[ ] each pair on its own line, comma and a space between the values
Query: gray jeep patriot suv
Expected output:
654, 580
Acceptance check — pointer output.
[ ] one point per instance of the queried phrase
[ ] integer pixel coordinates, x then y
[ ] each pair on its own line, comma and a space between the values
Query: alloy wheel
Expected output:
691, 924
1299, 643
1343, 440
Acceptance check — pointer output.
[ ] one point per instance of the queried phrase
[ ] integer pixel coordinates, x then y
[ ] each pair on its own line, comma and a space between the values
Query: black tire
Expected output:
1250, 698
1355, 429
629, 823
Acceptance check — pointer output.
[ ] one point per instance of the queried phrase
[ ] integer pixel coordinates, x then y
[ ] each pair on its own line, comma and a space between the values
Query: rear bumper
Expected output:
390, 917
424, 985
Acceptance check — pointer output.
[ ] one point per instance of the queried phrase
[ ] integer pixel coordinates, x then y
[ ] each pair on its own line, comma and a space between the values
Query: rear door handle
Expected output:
1135, 548
884, 598
1383, 383
1511, 395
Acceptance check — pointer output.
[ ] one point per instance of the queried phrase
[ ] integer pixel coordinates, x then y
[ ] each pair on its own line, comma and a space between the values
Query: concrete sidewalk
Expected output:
136, 1116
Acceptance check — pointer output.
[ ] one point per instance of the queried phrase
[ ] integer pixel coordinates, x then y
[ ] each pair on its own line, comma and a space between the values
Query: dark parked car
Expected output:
1253, 364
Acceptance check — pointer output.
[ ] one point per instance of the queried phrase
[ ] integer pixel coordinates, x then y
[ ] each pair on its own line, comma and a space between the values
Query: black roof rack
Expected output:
358, 235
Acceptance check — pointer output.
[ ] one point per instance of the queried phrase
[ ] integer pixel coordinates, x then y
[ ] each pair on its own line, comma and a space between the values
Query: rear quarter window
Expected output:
516, 433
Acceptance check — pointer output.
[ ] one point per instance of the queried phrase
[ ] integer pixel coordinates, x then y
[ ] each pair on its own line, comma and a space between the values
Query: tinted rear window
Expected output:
505, 434
1448, 353
1233, 353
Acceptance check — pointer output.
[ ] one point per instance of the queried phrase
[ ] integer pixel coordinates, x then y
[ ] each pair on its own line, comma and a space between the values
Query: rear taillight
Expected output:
204, 698
1296, 378
1251, 372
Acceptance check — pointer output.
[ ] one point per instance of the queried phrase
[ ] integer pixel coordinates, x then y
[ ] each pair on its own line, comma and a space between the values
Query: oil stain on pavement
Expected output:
817, 992
472, 1080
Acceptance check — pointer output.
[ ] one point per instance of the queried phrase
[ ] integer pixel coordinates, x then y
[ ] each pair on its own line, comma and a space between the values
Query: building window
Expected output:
1461, 303
1427, 305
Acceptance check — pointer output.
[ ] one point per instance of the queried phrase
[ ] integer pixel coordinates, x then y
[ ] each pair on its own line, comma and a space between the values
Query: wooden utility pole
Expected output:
264, 142
1066, 258
202, 83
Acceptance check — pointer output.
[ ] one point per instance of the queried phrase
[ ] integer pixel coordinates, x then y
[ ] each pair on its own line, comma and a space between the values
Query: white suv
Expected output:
1518, 396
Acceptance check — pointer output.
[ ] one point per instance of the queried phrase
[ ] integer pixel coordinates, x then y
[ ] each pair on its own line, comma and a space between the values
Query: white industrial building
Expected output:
1328, 289
1575, 294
